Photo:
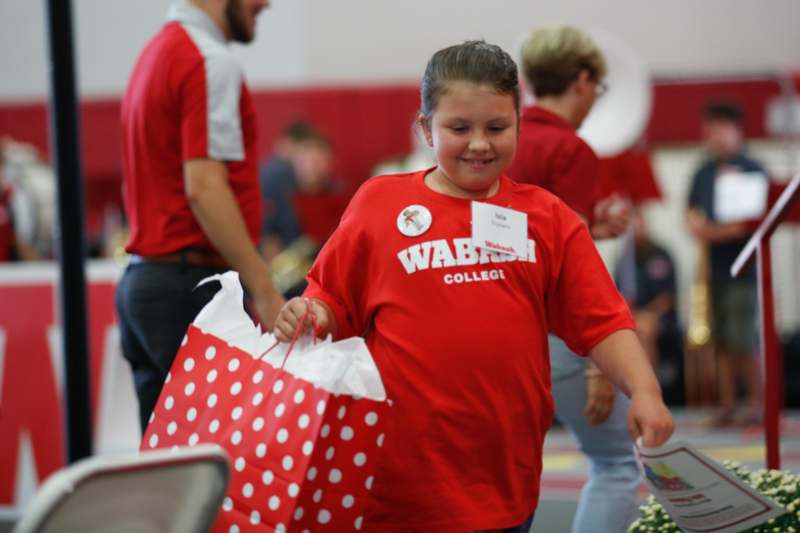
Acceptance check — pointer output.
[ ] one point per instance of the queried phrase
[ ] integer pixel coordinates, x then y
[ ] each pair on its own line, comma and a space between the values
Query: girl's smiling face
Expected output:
473, 132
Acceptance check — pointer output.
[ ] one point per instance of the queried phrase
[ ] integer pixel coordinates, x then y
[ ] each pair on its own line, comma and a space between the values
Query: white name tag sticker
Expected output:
740, 196
500, 229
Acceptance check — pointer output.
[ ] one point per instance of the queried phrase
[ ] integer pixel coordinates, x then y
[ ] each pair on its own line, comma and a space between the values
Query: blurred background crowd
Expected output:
336, 96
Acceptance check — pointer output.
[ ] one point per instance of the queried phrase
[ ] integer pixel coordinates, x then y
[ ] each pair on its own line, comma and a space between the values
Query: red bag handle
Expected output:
297, 333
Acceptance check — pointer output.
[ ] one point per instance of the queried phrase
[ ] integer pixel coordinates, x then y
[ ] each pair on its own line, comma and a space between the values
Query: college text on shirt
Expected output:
441, 253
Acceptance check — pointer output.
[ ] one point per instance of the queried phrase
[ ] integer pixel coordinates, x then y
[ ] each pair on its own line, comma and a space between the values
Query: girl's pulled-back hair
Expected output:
473, 61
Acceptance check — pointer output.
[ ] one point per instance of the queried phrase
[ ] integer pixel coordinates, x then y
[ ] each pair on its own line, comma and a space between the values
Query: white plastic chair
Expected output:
159, 491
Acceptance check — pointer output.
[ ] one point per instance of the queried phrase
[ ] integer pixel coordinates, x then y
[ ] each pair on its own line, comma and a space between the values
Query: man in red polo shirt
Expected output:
564, 69
191, 188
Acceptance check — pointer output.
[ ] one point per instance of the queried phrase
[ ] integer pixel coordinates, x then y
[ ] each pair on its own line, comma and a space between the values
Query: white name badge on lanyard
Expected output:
499, 229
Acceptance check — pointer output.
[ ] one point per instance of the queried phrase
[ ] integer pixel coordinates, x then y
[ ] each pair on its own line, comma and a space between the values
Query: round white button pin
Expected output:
414, 220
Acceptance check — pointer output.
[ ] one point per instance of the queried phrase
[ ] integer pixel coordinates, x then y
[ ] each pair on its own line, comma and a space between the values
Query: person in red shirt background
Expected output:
564, 69
191, 191
459, 332
302, 204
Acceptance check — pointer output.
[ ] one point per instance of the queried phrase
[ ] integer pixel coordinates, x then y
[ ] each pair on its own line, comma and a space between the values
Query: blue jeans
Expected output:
608, 500
155, 303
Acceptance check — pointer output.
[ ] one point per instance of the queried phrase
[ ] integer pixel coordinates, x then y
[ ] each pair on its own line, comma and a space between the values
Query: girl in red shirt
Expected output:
459, 331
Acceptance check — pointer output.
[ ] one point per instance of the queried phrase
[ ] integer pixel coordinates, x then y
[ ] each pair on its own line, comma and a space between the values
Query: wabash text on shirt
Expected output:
441, 253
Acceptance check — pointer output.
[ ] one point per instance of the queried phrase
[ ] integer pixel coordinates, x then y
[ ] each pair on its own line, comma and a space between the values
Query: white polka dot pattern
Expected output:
299, 396
274, 502
289, 442
282, 435
308, 447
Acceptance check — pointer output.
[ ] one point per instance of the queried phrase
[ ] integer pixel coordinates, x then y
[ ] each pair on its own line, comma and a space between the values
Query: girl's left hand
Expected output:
650, 419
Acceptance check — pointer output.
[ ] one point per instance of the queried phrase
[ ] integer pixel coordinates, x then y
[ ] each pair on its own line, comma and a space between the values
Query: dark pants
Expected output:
525, 527
156, 302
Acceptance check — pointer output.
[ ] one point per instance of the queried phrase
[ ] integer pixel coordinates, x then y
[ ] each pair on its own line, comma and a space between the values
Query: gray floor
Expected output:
554, 515
565, 468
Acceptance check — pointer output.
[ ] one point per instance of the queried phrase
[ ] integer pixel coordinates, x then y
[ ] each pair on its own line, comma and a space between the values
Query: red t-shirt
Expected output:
318, 213
186, 99
460, 339
629, 173
551, 155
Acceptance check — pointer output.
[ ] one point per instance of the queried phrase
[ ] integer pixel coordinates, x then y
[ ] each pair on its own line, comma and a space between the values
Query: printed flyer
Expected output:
699, 494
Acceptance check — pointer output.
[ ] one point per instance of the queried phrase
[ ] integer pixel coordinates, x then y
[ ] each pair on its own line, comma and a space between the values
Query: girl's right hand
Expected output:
649, 419
291, 317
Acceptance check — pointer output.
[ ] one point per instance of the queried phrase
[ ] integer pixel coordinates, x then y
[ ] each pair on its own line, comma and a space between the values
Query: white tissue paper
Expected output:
341, 367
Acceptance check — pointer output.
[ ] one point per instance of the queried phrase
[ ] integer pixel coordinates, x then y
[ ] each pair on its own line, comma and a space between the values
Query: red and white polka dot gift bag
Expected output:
302, 439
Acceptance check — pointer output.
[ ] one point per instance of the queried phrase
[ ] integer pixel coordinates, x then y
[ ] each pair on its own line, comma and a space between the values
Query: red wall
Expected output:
365, 124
